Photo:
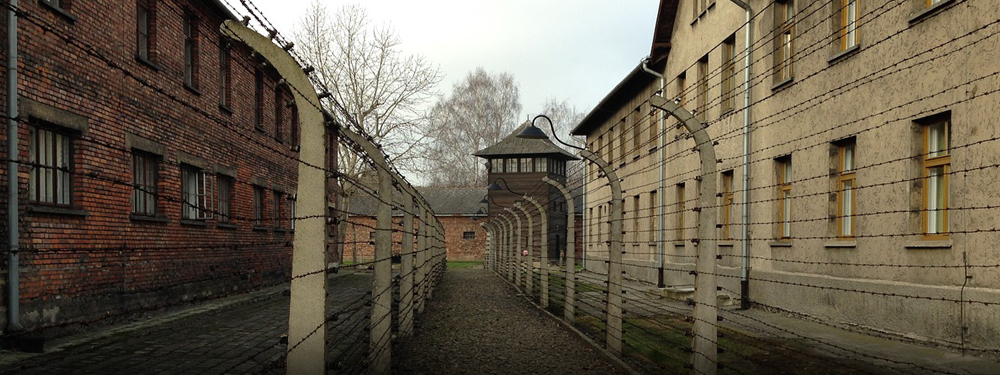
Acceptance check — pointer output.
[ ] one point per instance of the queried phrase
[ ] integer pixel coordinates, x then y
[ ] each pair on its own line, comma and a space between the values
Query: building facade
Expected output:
869, 161
157, 161
458, 210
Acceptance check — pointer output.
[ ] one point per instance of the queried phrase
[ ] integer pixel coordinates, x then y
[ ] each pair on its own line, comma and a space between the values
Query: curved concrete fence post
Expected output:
514, 272
528, 263
307, 309
570, 295
613, 338
543, 253
705, 357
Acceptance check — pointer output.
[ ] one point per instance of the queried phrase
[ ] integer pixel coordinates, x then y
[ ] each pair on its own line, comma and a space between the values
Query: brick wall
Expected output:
92, 258
359, 243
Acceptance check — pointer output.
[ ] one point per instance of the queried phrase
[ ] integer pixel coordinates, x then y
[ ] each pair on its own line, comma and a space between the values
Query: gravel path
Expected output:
477, 324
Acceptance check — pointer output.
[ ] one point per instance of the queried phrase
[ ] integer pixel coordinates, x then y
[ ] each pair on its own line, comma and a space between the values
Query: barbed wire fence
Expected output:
244, 249
949, 293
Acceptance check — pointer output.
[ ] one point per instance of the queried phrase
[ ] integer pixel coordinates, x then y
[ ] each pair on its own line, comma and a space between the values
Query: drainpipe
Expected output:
13, 235
659, 207
745, 229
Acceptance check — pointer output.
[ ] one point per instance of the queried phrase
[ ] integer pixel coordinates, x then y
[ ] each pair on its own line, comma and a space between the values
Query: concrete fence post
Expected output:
380, 354
569, 306
421, 274
307, 309
507, 251
529, 268
543, 254
514, 272
704, 343
406, 270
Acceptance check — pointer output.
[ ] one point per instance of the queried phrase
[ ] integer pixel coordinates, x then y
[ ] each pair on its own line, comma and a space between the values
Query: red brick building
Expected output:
458, 209
157, 160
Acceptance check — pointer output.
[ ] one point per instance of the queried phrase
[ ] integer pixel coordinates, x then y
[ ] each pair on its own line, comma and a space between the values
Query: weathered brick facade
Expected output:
93, 256
360, 243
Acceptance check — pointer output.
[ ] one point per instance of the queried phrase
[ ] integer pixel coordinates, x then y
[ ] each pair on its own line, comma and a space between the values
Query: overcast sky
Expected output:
575, 50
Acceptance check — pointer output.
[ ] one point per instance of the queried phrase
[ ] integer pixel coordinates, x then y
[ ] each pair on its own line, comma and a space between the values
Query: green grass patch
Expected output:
465, 264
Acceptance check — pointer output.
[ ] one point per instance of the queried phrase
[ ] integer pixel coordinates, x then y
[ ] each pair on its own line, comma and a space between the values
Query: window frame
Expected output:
225, 75
785, 47
849, 24
679, 231
202, 187
189, 28
785, 171
224, 189
279, 114
703, 89
728, 96
653, 224
465, 235
931, 160
276, 208
846, 179
258, 206
258, 98
147, 189
145, 27
635, 218
727, 204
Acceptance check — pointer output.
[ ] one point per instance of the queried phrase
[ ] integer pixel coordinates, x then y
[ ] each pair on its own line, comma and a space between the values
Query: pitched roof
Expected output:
443, 200
511, 145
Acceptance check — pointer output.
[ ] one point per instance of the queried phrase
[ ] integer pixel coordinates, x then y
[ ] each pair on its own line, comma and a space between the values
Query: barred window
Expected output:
225, 198
468, 235
50, 177
258, 206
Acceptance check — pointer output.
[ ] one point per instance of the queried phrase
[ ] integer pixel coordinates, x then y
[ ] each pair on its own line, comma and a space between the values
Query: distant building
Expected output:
458, 209
518, 165
157, 160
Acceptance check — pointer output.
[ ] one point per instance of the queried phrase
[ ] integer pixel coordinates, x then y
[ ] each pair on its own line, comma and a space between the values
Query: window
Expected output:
703, 88
291, 212
784, 165
621, 141
225, 198
468, 235
654, 127
196, 190
936, 168
279, 114
225, 87
541, 164
190, 26
600, 149
785, 50
600, 223
653, 228
682, 89
727, 205
293, 129
636, 119
635, 218
679, 236
145, 23
845, 188
371, 235
276, 208
145, 173
258, 99
50, 179
258, 206
848, 24
525, 165
511, 166
728, 74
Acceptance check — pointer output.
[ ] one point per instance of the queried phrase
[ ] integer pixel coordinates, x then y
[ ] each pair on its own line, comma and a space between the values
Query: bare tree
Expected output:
379, 88
481, 110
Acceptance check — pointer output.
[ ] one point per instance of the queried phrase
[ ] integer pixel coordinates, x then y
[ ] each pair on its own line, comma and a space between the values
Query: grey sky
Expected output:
568, 50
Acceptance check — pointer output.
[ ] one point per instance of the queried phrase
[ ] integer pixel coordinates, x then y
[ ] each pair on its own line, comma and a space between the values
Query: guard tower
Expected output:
518, 165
